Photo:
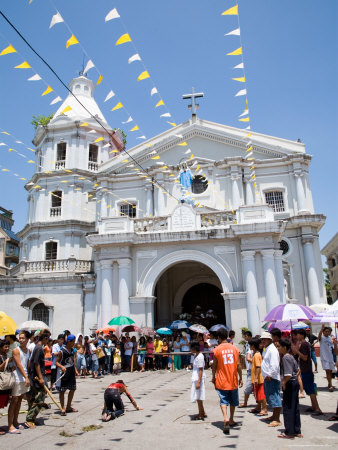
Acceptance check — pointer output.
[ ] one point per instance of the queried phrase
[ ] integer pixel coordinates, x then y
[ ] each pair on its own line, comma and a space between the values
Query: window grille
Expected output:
128, 209
276, 200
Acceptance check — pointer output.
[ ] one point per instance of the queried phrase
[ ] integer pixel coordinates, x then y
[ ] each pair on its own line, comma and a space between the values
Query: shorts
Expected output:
259, 392
117, 366
248, 384
19, 389
80, 362
141, 359
327, 365
228, 397
95, 365
308, 382
272, 393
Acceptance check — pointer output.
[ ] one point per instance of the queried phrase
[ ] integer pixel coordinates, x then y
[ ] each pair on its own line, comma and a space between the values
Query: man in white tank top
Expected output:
21, 357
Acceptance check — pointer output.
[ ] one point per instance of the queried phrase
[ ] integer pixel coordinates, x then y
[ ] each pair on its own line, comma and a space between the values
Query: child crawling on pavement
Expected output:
112, 398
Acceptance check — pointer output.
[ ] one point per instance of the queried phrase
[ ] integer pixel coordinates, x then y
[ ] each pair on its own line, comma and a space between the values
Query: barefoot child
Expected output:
113, 405
198, 380
257, 378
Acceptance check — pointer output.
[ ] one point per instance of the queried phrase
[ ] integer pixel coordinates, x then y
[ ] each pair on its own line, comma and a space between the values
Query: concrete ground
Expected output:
165, 422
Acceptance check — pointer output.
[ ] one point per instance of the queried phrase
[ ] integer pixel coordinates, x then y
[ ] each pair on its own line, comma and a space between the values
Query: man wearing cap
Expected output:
66, 374
271, 374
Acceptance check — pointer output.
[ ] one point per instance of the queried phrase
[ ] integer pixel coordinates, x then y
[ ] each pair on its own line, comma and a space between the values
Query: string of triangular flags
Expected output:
244, 117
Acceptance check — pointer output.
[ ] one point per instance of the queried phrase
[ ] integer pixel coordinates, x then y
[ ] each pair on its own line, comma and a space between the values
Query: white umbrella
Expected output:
33, 325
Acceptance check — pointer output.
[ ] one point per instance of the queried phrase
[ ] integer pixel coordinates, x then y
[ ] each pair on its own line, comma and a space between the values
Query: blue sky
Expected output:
290, 54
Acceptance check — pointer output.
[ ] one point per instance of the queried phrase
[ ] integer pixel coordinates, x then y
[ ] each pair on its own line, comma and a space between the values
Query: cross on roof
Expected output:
193, 96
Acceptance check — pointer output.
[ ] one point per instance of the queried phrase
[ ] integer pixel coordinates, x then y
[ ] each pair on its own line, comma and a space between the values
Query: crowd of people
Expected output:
276, 362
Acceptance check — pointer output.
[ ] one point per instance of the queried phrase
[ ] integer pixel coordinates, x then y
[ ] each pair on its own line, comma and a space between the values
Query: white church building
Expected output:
104, 239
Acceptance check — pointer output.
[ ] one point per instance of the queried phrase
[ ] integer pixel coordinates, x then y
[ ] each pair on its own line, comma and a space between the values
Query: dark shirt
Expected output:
289, 366
38, 357
305, 366
312, 338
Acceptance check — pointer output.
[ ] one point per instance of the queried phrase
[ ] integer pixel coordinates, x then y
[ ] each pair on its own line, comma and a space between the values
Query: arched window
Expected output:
41, 312
56, 203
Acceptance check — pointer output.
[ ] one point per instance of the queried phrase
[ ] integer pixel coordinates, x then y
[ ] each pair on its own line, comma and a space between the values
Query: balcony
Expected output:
93, 166
55, 211
60, 165
54, 265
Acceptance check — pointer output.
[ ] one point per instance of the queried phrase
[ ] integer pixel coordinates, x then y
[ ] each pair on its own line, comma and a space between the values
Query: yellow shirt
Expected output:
256, 364
117, 356
158, 346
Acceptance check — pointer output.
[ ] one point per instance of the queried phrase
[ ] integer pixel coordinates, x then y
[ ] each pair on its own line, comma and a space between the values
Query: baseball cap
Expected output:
70, 337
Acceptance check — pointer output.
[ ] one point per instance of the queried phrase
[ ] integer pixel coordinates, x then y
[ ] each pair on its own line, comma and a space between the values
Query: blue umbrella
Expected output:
217, 327
179, 325
164, 331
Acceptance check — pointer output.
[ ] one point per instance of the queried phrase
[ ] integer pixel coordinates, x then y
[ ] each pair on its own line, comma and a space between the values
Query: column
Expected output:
271, 294
301, 200
310, 269
249, 197
292, 281
104, 205
115, 309
160, 200
250, 282
280, 275
149, 201
98, 286
236, 196
106, 292
124, 286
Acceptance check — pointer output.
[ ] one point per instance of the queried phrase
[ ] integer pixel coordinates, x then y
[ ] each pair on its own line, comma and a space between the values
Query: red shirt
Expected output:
227, 361
116, 386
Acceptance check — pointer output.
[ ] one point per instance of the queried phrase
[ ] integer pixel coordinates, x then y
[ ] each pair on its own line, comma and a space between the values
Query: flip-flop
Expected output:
14, 431
254, 411
20, 427
261, 414
63, 413
226, 429
197, 418
72, 410
30, 425
285, 436
242, 406
274, 423
317, 413
333, 418
235, 424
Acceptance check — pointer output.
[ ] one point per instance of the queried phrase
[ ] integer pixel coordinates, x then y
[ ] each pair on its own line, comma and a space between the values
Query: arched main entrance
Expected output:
188, 287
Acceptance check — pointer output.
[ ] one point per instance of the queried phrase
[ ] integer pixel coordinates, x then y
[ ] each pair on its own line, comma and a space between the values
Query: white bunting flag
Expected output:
106, 145
178, 135
153, 91
244, 113
110, 95
241, 92
35, 77
165, 115
188, 151
248, 128
133, 58
236, 32
141, 137
113, 14
56, 100
89, 65
239, 66
19, 142
2, 143
57, 18
130, 119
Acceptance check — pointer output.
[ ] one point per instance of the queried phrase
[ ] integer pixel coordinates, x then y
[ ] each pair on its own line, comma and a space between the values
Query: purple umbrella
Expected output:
287, 325
290, 311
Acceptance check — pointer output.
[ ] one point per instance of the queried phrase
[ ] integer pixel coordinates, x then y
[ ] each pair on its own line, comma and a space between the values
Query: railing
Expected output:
59, 265
59, 165
93, 166
55, 211
215, 219
150, 224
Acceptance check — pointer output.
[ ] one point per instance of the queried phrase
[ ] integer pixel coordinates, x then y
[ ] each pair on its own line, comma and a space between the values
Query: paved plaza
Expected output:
165, 422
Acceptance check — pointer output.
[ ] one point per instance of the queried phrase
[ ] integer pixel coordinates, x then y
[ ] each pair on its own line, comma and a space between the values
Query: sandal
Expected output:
317, 413
71, 410
30, 425
235, 424
14, 431
63, 412
197, 418
262, 414
274, 423
285, 436
226, 429
254, 411
333, 418
242, 405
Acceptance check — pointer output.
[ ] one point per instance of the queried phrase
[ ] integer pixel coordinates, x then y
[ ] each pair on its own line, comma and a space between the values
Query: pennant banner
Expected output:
143, 76
110, 95
236, 32
113, 14
89, 66
130, 119
56, 19
239, 66
47, 91
35, 77
153, 91
133, 58
56, 100
99, 80
7, 50
238, 51
231, 11
123, 39
71, 41
23, 65
241, 92
160, 103
118, 106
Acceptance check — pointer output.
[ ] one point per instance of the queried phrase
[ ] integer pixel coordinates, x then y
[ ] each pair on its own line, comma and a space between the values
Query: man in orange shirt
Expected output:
226, 375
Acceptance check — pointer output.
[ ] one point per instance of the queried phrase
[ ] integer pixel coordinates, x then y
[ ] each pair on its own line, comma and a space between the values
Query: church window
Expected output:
199, 184
56, 202
92, 158
128, 209
51, 250
41, 312
77, 87
276, 200
60, 162
284, 246
86, 88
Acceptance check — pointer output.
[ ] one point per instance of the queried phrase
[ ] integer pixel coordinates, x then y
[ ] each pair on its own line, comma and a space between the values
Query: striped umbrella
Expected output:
290, 311
287, 325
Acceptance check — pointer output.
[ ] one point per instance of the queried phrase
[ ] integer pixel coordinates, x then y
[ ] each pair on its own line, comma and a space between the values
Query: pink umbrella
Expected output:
130, 329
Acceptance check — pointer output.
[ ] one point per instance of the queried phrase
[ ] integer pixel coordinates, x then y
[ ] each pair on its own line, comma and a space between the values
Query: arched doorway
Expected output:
183, 287
205, 304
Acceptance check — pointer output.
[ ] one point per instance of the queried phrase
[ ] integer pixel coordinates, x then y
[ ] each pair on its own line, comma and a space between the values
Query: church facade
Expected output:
153, 237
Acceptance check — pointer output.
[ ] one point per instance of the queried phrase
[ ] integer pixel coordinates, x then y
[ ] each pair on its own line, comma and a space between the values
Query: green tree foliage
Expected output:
327, 285
41, 120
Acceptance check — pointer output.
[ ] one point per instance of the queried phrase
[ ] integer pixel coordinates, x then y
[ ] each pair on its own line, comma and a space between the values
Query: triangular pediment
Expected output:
209, 142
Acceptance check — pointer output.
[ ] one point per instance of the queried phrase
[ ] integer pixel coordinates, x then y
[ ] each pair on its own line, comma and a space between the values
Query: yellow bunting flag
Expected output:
5, 132
12, 150
161, 102
183, 144
24, 179
241, 79
123, 39
68, 170
198, 167
67, 108
7, 50
155, 157
99, 139
250, 148
84, 124
31, 161
125, 160
118, 106
114, 151
245, 119
192, 156
231, 11
173, 124
238, 51
143, 75
23, 65
36, 186
47, 91
99, 80
164, 167
71, 41
135, 128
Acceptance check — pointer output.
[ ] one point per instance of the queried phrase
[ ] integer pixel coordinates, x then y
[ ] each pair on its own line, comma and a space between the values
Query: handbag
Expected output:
99, 353
7, 379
